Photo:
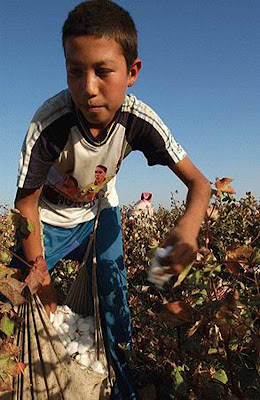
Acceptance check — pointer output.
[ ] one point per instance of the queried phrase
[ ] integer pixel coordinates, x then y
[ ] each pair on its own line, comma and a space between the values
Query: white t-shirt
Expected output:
60, 153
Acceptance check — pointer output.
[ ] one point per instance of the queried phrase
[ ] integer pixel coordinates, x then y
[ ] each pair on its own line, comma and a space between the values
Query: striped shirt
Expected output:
60, 154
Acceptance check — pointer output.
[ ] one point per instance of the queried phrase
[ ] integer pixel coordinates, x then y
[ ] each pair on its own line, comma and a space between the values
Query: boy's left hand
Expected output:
184, 250
172, 258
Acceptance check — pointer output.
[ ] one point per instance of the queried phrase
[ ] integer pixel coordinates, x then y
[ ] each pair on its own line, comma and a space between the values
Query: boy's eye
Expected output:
102, 72
75, 72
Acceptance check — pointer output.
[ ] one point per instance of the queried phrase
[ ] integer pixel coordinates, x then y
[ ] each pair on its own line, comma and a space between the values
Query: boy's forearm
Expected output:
27, 202
28, 206
32, 244
183, 238
198, 197
196, 205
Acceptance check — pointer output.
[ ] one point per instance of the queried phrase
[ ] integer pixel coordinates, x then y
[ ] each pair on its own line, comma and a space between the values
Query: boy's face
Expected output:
98, 78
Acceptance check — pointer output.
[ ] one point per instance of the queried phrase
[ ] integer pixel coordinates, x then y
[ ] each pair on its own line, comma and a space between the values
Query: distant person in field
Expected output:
144, 206
95, 122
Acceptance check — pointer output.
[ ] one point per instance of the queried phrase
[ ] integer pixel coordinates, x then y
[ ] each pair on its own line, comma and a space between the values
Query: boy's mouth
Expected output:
93, 108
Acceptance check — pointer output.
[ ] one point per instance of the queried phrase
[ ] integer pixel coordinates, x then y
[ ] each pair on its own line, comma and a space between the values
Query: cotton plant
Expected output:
77, 336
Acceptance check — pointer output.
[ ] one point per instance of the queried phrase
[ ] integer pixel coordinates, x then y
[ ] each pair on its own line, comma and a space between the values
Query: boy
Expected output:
95, 123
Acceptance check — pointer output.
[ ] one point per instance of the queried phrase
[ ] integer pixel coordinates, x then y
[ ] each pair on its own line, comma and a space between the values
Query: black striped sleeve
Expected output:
41, 148
146, 132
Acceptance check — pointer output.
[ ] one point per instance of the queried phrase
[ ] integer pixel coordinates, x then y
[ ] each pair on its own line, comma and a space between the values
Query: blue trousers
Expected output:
111, 279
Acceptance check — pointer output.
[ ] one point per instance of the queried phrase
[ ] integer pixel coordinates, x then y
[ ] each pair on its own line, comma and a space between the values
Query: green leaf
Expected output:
7, 325
5, 307
212, 351
241, 285
183, 275
4, 257
256, 256
179, 383
22, 224
4, 271
221, 376
195, 277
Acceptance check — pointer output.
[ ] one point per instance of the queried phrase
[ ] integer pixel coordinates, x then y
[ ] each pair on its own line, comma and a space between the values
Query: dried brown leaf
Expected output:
222, 185
177, 313
8, 349
12, 288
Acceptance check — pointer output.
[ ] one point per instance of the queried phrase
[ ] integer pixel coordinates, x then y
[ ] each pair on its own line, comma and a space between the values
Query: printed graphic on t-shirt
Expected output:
68, 186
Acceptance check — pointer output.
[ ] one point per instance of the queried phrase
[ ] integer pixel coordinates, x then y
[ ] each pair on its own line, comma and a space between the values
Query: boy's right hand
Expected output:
39, 281
48, 296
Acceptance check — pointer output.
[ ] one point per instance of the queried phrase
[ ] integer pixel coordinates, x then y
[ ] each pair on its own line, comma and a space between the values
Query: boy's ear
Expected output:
134, 71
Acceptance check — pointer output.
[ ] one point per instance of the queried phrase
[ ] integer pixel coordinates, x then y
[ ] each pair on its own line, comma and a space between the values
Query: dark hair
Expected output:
102, 167
103, 18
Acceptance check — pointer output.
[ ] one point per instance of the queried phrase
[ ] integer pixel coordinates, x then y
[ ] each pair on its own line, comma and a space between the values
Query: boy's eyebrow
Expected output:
97, 64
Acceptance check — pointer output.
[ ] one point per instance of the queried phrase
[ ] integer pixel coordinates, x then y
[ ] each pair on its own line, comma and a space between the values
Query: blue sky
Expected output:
201, 63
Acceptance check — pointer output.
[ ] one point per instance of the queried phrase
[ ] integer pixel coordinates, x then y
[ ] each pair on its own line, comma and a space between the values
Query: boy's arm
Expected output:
183, 238
27, 202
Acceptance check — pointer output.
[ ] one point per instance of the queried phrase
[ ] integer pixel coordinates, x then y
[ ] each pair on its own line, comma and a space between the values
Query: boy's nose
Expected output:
90, 85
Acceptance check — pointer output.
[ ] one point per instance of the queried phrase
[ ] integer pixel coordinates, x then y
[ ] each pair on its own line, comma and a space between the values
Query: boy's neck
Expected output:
95, 131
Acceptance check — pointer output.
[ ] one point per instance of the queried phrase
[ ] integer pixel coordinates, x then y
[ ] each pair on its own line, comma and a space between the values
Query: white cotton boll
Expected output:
84, 327
64, 342
65, 327
88, 343
52, 317
66, 308
72, 348
89, 320
84, 360
59, 330
77, 336
92, 356
97, 367
162, 252
70, 318
72, 329
88, 326
158, 275
64, 337
77, 358
92, 329
82, 348
87, 334
58, 319
80, 321
93, 348
72, 336
56, 326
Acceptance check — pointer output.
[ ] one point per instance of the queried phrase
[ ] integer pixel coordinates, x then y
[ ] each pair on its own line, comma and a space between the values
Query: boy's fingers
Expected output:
48, 297
181, 256
47, 310
53, 307
50, 308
